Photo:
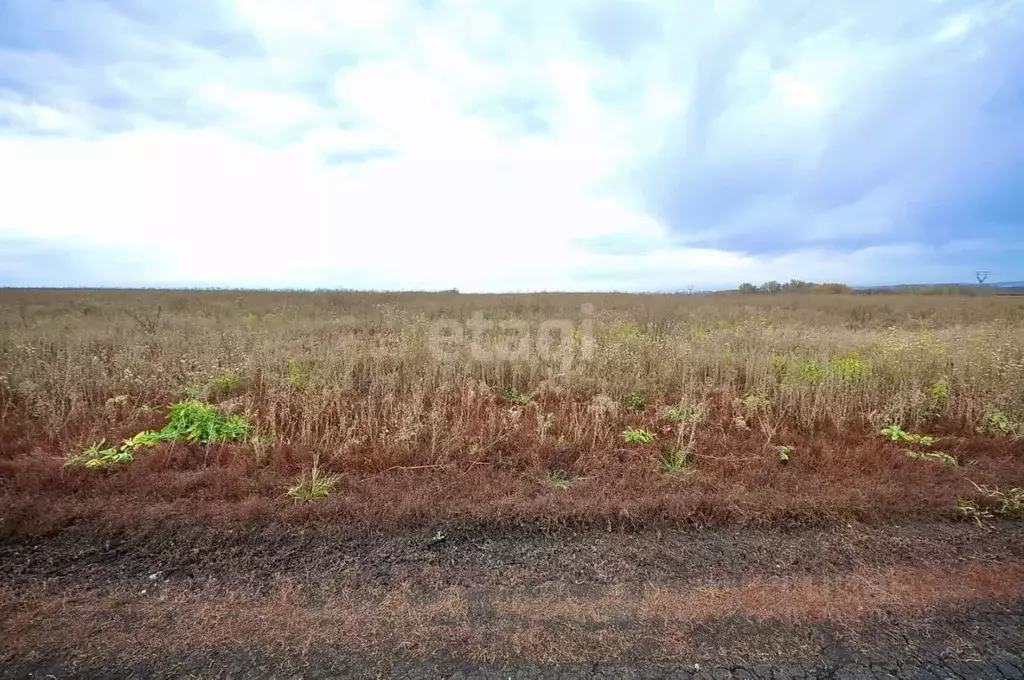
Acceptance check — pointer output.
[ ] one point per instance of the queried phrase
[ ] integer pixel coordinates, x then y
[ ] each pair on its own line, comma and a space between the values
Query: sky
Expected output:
510, 145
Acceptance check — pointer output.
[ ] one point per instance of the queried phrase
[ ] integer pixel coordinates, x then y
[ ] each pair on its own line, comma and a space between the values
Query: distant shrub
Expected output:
796, 286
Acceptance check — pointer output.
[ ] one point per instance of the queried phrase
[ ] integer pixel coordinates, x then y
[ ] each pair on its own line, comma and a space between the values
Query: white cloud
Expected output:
251, 214
406, 143
13, 108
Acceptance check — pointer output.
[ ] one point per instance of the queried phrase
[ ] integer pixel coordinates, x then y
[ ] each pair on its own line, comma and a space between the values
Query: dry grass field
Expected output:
638, 411
247, 484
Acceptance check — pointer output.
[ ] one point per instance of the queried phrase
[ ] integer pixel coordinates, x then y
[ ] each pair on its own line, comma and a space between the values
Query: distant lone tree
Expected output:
748, 288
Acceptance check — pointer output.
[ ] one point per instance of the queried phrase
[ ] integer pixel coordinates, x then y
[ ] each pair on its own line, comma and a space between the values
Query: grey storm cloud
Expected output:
925, 143
919, 137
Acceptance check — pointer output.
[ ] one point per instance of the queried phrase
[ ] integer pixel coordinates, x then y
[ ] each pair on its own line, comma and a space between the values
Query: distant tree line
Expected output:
973, 290
795, 286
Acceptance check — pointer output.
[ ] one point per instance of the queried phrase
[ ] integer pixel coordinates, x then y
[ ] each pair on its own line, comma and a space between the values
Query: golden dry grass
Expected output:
350, 379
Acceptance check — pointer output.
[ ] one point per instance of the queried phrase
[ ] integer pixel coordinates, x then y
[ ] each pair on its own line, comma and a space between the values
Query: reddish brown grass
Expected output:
831, 476
346, 379
557, 624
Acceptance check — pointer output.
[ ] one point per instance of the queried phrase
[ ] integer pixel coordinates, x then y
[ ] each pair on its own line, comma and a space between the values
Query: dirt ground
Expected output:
917, 600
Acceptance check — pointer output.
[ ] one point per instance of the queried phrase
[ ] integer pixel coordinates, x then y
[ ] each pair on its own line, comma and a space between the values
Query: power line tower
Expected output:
982, 276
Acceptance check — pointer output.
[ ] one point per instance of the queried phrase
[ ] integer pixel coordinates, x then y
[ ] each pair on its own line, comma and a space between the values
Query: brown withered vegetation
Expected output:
471, 623
354, 383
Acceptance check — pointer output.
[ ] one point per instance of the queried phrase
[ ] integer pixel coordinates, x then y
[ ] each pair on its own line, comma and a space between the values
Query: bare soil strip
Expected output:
336, 557
328, 603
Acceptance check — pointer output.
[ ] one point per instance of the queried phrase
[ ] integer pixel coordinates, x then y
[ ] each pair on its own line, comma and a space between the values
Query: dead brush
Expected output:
995, 502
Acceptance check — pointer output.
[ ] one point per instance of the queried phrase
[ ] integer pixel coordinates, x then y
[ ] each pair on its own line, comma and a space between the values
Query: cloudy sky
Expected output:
510, 144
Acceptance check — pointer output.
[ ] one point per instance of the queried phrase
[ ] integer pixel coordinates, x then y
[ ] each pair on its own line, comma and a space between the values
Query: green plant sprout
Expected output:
202, 423
998, 423
677, 461
634, 402
558, 479
810, 371
675, 413
191, 421
898, 434
637, 435
98, 455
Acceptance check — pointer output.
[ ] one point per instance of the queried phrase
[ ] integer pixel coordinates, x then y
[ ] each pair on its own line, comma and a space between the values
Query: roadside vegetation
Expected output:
752, 408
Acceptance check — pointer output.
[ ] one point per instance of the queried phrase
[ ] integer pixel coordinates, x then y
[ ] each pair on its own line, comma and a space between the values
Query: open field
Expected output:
351, 382
508, 479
